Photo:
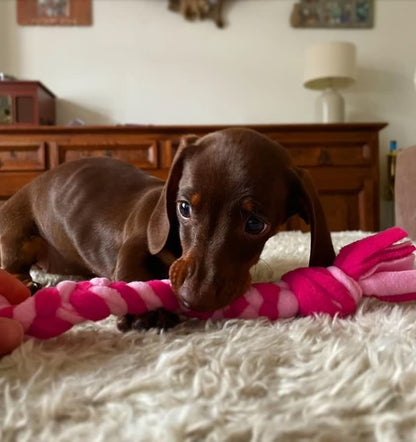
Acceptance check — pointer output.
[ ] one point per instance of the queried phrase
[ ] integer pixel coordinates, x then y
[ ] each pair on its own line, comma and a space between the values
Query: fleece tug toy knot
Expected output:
376, 266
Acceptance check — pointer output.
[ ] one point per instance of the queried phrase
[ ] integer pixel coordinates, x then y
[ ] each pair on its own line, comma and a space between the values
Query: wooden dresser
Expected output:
342, 158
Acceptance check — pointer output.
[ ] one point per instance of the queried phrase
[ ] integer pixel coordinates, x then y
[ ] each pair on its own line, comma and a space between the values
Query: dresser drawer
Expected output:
327, 155
141, 154
11, 182
21, 156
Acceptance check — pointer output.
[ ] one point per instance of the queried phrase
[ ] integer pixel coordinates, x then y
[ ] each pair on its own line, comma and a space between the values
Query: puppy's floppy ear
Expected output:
304, 201
164, 213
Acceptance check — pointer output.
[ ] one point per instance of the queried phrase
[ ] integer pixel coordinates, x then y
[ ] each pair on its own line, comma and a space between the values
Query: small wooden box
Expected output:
27, 103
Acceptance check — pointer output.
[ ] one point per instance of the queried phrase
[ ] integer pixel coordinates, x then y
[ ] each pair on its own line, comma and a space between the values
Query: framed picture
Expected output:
333, 14
54, 12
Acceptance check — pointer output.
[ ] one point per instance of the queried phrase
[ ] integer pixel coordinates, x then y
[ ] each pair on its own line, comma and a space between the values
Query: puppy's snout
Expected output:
204, 290
192, 292
197, 298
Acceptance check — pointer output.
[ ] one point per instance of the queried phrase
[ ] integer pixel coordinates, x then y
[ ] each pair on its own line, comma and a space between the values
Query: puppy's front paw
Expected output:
124, 323
160, 319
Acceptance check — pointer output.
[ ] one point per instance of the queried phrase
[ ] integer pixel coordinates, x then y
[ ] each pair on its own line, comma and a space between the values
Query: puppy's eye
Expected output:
184, 209
254, 225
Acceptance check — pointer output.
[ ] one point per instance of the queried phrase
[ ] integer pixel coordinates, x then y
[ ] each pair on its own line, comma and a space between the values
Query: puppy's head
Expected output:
230, 191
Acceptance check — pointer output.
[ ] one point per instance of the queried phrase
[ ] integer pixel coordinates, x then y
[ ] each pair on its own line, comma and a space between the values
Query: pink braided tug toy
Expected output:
374, 266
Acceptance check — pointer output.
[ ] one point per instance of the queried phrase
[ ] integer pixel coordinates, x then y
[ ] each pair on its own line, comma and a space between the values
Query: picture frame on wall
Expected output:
333, 14
54, 12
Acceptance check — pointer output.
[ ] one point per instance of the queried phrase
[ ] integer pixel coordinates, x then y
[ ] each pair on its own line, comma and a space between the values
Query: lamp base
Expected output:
330, 107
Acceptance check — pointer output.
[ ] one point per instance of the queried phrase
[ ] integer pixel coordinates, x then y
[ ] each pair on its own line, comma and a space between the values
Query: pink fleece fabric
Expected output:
375, 266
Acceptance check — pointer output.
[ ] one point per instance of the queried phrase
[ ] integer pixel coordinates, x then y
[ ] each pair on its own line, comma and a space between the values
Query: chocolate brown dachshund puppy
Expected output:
226, 194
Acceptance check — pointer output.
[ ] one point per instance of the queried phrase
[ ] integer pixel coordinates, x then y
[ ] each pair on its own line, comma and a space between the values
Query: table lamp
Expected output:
329, 67
414, 79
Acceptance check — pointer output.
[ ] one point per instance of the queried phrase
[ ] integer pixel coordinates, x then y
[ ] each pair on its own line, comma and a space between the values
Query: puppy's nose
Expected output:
186, 304
185, 297
198, 299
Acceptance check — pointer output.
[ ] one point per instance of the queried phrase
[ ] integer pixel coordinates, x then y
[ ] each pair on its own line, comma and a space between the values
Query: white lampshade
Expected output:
330, 65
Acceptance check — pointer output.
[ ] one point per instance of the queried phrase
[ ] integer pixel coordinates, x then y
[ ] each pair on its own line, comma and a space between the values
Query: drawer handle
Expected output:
108, 153
324, 158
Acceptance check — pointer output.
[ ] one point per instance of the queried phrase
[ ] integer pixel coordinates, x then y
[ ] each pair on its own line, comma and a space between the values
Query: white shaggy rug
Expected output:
295, 380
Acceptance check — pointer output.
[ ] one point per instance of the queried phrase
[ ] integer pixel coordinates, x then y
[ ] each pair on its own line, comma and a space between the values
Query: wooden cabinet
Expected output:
26, 103
342, 159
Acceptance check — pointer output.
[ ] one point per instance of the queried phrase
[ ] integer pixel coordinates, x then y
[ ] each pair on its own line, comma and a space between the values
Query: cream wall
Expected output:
139, 63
